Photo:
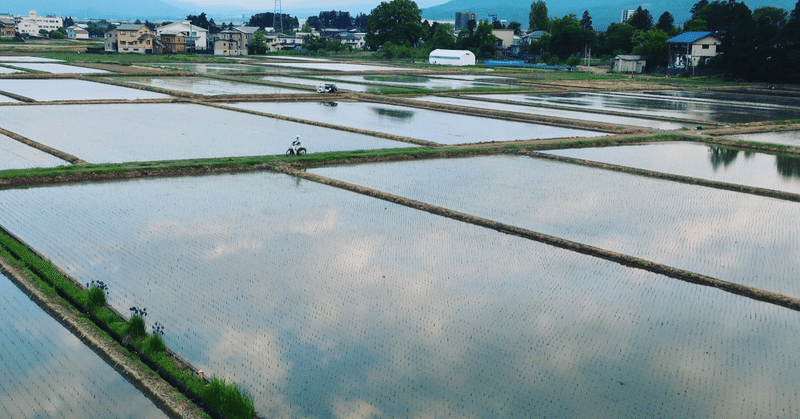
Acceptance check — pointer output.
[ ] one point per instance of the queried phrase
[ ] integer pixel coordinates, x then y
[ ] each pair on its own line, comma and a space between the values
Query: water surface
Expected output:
172, 131
727, 235
713, 162
791, 138
55, 68
47, 372
435, 126
475, 102
72, 89
212, 87
15, 155
325, 303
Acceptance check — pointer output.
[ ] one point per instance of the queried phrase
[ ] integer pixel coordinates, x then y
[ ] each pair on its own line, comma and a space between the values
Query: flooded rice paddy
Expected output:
48, 373
72, 89
791, 138
435, 126
301, 294
172, 131
727, 235
212, 87
56, 68
713, 162
423, 82
475, 102
352, 87
25, 59
213, 68
16, 155
719, 111
7, 70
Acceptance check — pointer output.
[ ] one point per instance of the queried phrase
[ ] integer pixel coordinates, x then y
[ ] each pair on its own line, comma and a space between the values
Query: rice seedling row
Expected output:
731, 236
713, 162
321, 302
20, 156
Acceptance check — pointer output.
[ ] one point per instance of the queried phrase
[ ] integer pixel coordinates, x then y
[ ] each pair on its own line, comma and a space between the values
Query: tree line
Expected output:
763, 44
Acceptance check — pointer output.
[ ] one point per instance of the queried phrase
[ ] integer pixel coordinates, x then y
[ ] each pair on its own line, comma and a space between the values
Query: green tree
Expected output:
641, 19
567, 37
306, 27
443, 37
398, 22
666, 23
515, 26
259, 43
586, 20
56, 34
776, 16
68, 21
481, 42
538, 20
618, 39
653, 46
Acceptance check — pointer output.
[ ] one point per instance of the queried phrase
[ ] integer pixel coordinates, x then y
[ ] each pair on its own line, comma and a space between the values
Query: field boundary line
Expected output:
754, 293
41, 147
163, 395
733, 187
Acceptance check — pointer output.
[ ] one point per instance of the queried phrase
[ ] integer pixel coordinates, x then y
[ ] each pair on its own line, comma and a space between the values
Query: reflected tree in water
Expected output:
394, 113
788, 166
721, 156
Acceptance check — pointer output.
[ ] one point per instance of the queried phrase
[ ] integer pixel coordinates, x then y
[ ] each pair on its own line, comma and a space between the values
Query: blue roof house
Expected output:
689, 49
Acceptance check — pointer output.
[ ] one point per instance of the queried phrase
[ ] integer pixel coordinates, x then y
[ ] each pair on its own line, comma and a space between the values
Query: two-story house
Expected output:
689, 49
196, 36
235, 41
131, 39
7, 27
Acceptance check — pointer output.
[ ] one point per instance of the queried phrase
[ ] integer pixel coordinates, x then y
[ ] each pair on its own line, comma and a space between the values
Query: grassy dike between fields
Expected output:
171, 383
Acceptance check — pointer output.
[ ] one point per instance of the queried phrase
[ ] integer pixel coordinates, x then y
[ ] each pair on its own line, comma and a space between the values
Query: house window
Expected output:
705, 46
121, 33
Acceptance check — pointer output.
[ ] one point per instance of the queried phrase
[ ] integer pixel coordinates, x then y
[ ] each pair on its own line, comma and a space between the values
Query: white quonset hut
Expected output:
451, 57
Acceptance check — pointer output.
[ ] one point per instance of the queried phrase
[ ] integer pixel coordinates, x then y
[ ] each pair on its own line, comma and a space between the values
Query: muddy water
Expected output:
721, 111
435, 126
326, 303
48, 372
723, 164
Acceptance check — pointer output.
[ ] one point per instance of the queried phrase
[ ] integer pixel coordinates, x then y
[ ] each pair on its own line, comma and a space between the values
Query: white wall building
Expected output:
33, 23
191, 32
76, 32
451, 57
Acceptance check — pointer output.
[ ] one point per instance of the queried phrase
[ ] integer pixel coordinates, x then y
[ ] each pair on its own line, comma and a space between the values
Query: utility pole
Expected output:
277, 18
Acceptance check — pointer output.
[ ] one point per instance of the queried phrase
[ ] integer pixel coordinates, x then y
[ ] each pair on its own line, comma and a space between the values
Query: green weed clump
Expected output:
95, 297
154, 344
134, 328
232, 401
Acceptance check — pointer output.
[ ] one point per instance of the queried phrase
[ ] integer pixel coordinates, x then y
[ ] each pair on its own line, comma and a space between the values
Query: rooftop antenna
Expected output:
277, 17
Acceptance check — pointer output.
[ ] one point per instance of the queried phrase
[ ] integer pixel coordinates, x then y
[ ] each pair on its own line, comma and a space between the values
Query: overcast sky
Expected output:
286, 5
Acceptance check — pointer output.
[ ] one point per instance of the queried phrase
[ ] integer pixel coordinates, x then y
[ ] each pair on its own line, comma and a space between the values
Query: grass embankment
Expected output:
217, 398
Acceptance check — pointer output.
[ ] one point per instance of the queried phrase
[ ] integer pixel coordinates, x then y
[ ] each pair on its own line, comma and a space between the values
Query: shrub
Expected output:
135, 329
154, 344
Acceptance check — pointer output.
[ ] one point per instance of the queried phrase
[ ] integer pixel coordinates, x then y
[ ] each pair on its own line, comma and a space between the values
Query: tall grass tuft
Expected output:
232, 401
154, 344
95, 297
135, 329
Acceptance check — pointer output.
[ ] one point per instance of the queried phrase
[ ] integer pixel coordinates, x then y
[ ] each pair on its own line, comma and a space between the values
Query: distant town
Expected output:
721, 38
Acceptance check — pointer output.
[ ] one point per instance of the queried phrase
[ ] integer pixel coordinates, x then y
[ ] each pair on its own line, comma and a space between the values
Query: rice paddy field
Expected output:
434, 126
294, 289
712, 162
48, 373
378, 281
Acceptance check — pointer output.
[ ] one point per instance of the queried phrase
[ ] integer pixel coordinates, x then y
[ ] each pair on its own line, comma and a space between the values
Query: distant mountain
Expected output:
99, 9
602, 13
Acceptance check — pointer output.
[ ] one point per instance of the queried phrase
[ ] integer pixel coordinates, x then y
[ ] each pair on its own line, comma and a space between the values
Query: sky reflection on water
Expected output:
699, 160
325, 303
47, 372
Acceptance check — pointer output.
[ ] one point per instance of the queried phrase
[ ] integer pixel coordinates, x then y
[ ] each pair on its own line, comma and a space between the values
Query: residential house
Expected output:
506, 37
288, 42
173, 43
689, 49
235, 41
7, 27
77, 32
196, 37
131, 38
